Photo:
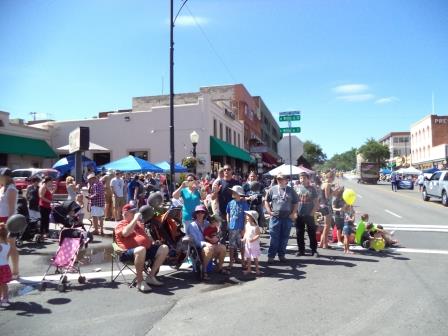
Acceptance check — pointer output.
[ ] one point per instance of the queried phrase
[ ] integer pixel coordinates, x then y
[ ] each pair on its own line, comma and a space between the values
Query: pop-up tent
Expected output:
285, 170
132, 164
67, 163
165, 165
409, 171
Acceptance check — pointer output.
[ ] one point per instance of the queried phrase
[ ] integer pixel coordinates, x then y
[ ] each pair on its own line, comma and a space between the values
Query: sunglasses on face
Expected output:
190, 180
227, 169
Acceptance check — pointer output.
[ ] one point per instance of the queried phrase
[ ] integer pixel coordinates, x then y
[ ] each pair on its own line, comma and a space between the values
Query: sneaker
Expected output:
340, 244
152, 281
315, 254
143, 287
270, 260
282, 259
300, 254
5, 303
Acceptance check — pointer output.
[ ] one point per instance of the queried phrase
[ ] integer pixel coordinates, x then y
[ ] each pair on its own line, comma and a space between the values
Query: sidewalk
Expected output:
35, 257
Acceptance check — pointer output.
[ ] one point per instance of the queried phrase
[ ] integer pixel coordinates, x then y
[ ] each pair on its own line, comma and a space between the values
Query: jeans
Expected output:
44, 220
223, 232
279, 229
300, 232
394, 186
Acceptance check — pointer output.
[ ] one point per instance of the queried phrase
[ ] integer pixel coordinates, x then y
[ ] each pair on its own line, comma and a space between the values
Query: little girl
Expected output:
5, 271
251, 240
349, 227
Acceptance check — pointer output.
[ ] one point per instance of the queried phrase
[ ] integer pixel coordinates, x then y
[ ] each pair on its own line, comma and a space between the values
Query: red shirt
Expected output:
210, 232
135, 239
49, 196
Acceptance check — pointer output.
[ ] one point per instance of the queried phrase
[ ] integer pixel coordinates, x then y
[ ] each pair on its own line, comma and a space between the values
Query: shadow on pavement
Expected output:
28, 309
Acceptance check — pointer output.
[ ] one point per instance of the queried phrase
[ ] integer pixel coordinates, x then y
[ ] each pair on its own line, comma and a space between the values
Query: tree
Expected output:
313, 153
344, 161
373, 151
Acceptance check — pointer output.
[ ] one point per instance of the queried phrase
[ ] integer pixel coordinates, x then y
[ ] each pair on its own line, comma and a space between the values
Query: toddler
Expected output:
5, 271
211, 231
349, 227
251, 239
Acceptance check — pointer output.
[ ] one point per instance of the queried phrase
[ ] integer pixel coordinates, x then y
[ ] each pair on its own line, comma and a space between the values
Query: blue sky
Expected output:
355, 68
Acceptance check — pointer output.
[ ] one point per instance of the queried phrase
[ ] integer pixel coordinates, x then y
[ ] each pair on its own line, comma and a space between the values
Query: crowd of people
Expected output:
217, 212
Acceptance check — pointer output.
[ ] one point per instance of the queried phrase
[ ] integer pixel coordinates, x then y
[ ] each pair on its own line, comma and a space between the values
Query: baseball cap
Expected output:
129, 207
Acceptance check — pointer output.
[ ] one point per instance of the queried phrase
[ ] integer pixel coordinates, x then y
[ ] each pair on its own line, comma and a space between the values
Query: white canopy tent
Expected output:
408, 171
285, 170
92, 147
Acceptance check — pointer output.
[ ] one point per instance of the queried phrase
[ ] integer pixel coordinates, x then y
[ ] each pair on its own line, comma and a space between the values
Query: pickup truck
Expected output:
437, 187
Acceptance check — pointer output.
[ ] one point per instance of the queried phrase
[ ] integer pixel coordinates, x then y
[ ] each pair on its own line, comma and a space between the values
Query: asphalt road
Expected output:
400, 292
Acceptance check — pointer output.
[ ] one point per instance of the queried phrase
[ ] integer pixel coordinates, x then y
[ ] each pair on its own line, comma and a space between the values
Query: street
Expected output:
400, 291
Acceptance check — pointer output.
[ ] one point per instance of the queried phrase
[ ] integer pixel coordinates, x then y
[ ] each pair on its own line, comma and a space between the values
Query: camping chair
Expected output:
116, 254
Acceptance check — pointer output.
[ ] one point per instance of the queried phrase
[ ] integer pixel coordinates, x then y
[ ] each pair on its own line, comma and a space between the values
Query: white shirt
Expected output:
117, 185
4, 206
4, 250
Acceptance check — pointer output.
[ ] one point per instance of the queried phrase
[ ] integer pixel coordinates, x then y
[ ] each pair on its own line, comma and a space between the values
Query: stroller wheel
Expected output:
62, 287
82, 279
42, 286
19, 243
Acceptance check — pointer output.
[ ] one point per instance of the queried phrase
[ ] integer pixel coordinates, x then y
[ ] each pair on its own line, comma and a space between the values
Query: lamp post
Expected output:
194, 138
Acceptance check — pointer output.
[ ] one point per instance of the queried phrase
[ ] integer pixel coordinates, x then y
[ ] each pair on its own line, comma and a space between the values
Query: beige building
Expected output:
429, 142
144, 132
399, 146
22, 146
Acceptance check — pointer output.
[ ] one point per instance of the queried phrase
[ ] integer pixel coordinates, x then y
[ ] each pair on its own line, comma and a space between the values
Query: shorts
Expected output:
5, 274
128, 255
347, 230
97, 211
118, 202
339, 222
235, 239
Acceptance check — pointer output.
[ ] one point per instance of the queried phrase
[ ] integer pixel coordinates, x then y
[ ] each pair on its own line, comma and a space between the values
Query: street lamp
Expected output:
194, 138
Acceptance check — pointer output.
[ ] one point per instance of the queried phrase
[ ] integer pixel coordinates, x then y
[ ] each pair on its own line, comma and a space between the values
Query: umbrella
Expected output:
92, 147
385, 171
430, 170
409, 171
165, 165
132, 164
67, 163
285, 169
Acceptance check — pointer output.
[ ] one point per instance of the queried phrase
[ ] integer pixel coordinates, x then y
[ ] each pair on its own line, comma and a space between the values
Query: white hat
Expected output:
253, 214
239, 190
91, 175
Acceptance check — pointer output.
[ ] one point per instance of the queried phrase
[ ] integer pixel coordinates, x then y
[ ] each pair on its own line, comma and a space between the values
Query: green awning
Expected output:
222, 148
11, 144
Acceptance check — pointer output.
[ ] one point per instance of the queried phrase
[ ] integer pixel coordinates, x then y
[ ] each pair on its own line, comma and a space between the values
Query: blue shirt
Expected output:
131, 189
191, 200
236, 209
195, 232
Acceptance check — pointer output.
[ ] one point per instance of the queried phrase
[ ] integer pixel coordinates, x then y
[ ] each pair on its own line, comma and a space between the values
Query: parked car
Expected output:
22, 179
437, 187
406, 184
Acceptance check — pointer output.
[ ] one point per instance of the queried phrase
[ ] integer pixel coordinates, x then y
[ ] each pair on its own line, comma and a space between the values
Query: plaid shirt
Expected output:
98, 198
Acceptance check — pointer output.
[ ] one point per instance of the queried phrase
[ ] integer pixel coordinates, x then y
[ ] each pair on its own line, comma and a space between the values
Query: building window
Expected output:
234, 137
101, 158
140, 154
215, 128
220, 131
239, 140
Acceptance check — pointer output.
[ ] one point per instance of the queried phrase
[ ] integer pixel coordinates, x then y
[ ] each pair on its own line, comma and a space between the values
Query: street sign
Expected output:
290, 130
294, 117
288, 113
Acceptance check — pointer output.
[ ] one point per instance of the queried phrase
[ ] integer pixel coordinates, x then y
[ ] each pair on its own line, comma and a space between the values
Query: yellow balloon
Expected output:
378, 244
349, 196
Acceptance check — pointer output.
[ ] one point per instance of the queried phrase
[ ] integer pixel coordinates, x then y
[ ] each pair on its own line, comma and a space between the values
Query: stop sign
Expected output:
296, 148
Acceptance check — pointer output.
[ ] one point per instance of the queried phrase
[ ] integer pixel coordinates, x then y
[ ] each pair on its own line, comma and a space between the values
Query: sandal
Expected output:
205, 277
223, 271
95, 232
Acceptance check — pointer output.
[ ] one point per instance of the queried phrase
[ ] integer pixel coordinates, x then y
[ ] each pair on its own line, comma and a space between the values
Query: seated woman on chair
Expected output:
130, 235
209, 251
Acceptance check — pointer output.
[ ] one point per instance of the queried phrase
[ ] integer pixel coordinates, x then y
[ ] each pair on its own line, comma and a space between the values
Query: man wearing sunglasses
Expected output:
222, 191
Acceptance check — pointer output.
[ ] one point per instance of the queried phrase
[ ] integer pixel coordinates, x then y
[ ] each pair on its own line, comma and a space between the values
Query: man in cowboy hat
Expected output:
281, 204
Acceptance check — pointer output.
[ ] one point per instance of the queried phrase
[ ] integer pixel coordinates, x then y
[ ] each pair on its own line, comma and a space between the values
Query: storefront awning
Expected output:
222, 148
11, 144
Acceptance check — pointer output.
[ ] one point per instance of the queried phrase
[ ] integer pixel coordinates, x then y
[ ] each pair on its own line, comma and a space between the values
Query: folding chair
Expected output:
116, 254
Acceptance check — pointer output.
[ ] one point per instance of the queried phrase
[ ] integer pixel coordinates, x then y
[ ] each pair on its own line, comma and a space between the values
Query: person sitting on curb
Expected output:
209, 250
130, 235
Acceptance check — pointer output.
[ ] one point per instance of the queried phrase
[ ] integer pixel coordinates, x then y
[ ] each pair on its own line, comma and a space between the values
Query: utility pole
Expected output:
172, 182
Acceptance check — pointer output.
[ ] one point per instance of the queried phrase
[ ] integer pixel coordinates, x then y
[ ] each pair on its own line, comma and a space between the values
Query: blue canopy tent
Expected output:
132, 164
178, 168
67, 163
385, 171
430, 170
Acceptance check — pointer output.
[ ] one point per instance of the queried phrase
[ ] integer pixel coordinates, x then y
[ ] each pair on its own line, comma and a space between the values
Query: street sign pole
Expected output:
290, 155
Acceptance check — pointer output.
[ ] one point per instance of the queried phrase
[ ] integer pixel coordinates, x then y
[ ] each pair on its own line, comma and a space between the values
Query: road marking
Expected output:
392, 213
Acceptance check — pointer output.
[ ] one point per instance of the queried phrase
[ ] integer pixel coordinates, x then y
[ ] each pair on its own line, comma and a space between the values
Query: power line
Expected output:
211, 45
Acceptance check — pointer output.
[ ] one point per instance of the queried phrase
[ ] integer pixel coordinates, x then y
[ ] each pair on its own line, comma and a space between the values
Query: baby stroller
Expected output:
66, 214
65, 260
32, 230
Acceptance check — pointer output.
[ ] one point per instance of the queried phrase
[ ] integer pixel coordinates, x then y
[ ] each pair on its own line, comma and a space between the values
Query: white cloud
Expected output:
386, 100
350, 88
356, 97
187, 20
